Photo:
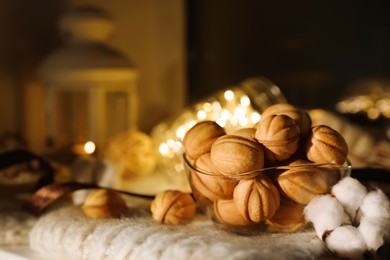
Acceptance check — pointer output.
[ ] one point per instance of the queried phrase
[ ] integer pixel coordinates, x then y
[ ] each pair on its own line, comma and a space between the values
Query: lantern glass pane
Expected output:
117, 113
71, 117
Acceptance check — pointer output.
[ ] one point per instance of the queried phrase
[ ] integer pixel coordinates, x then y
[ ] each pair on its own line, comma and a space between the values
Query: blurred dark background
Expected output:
188, 49
313, 50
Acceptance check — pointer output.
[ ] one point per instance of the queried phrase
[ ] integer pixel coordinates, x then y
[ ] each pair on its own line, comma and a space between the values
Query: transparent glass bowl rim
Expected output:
346, 168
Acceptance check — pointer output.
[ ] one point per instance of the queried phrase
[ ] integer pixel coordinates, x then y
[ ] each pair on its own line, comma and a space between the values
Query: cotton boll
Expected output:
346, 241
326, 213
350, 192
376, 209
372, 233
376, 205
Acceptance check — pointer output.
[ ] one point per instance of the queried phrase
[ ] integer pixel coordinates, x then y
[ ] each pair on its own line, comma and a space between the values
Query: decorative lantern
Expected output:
90, 87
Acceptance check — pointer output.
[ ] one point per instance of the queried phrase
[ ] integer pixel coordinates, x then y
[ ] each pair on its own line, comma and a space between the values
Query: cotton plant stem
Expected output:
48, 194
20, 156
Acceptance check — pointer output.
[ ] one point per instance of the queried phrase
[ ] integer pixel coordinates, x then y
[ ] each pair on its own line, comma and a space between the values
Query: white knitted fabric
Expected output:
66, 232
15, 223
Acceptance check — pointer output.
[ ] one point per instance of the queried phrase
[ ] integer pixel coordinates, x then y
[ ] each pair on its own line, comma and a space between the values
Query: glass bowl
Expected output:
247, 203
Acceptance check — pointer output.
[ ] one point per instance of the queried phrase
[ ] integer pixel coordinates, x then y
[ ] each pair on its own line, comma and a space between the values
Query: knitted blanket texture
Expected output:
66, 232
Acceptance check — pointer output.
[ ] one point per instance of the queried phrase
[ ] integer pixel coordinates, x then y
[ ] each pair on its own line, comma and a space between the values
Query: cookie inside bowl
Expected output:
270, 199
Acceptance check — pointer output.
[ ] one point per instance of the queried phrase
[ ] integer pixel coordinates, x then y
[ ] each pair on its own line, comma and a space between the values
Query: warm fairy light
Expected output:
243, 121
201, 115
225, 114
229, 95
221, 122
89, 147
207, 107
171, 143
181, 132
255, 117
231, 109
164, 148
178, 145
245, 101
190, 124
170, 148
374, 106
239, 112
216, 106
233, 121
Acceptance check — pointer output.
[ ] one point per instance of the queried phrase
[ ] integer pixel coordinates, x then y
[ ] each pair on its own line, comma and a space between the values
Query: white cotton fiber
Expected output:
326, 213
372, 233
350, 192
375, 205
375, 210
346, 241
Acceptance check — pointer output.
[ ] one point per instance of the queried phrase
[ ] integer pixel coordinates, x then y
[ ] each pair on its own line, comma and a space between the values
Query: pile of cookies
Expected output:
265, 174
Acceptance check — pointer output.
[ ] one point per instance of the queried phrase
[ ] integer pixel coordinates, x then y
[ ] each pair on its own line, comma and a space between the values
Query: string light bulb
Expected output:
89, 147
369, 98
